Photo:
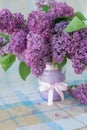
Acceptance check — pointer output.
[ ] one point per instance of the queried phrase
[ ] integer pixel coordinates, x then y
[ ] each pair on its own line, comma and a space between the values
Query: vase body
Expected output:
51, 75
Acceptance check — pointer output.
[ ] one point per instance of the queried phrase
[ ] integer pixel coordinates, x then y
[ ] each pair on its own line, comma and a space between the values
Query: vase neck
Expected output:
50, 66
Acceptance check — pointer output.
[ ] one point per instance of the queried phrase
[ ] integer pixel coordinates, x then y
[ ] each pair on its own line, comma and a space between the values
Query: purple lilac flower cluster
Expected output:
77, 49
80, 93
58, 45
58, 48
14, 25
10, 22
20, 22
39, 22
60, 9
18, 42
7, 22
59, 27
71, 44
36, 53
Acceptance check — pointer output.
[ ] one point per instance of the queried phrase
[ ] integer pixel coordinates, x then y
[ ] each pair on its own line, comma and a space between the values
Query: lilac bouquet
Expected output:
52, 33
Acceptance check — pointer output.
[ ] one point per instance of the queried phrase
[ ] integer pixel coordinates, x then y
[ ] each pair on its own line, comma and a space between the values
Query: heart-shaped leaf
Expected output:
7, 61
74, 25
24, 70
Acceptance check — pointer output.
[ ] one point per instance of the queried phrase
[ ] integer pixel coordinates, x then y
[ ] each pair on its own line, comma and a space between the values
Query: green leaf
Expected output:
7, 61
60, 66
5, 36
45, 8
57, 20
80, 16
73, 87
24, 70
6, 58
74, 25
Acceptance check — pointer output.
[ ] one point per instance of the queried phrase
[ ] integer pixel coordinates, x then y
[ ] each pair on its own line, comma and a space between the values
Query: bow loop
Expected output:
58, 87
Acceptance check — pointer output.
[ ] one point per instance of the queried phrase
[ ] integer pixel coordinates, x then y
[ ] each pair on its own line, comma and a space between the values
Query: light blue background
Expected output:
25, 6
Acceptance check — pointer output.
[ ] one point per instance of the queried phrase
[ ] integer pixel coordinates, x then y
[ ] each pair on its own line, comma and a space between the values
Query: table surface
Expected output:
22, 108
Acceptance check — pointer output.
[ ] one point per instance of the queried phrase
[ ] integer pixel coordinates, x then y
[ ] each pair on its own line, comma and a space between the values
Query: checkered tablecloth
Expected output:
22, 108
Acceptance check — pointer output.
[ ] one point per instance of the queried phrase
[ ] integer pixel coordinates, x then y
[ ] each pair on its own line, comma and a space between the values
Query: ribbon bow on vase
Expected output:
58, 87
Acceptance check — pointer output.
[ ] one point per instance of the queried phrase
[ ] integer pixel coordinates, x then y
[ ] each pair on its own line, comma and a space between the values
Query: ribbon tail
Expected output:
60, 93
63, 86
50, 97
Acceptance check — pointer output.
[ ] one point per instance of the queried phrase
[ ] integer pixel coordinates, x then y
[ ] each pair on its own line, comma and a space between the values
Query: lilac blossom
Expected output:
20, 22
77, 49
37, 53
58, 45
80, 93
60, 9
58, 48
18, 42
7, 22
59, 27
39, 22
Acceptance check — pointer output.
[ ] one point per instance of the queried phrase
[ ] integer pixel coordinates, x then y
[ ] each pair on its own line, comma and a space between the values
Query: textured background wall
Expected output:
25, 6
